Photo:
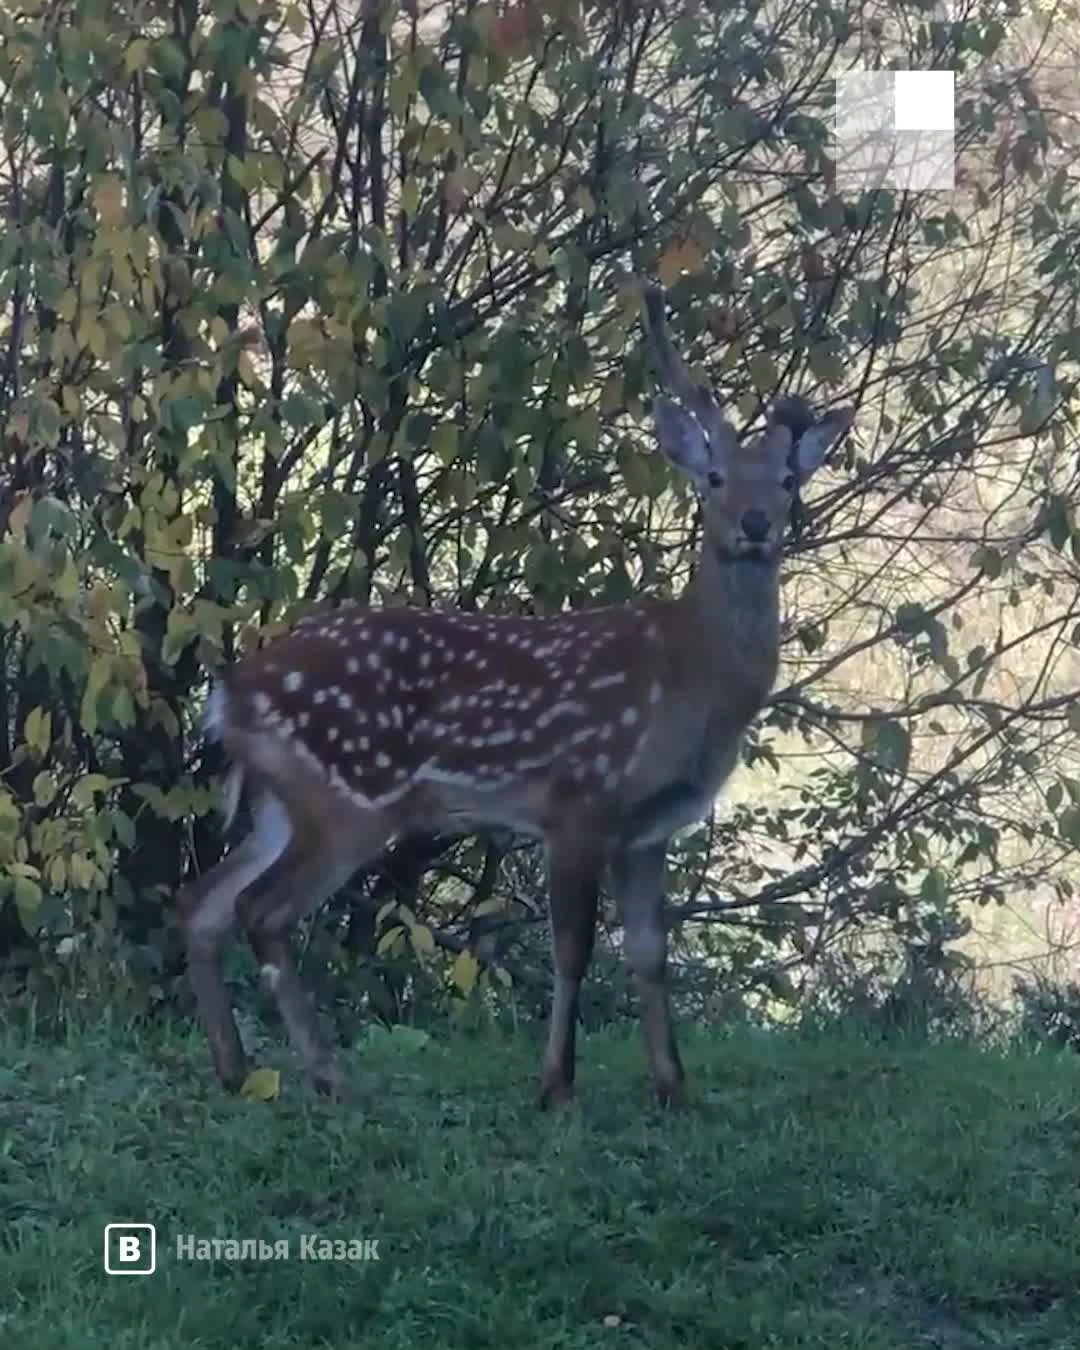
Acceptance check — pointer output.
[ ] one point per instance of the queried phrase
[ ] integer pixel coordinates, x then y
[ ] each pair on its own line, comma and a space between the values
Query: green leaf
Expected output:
1069, 824
444, 441
890, 744
935, 888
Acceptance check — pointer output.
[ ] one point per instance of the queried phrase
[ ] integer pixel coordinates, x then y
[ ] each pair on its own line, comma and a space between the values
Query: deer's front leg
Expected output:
639, 876
575, 866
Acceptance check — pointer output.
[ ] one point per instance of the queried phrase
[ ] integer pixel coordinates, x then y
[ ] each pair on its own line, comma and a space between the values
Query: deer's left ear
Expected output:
682, 439
816, 441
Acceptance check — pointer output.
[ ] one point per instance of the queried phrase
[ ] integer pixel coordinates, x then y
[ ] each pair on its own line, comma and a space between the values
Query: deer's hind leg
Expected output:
575, 868
317, 862
208, 909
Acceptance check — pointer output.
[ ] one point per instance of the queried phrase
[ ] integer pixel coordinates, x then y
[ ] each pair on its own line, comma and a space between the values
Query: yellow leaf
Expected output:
245, 368
27, 902
20, 515
82, 794
123, 708
136, 56
44, 788
66, 306
262, 1085
384, 911
237, 169
117, 319
91, 334
410, 197
57, 873
390, 941
422, 939
611, 395
82, 871
111, 430
37, 730
444, 441
69, 401
466, 968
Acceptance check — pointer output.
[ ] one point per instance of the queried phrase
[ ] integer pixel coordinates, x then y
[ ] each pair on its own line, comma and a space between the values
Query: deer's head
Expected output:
750, 493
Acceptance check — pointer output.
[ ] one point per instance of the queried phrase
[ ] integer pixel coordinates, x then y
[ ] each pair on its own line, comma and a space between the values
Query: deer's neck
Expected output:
731, 619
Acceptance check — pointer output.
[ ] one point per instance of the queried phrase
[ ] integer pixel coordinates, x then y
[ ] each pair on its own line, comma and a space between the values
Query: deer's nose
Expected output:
755, 526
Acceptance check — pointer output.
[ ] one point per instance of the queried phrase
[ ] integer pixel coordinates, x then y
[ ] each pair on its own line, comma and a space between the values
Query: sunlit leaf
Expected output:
465, 970
261, 1085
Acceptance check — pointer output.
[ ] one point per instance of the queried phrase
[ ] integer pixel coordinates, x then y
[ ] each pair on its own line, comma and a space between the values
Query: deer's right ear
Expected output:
813, 445
682, 439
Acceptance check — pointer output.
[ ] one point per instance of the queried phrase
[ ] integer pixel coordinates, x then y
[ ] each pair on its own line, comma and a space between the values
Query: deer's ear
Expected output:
816, 442
682, 439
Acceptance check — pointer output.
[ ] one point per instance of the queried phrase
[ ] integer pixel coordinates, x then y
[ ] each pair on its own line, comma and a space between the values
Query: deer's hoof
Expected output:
671, 1095
556, 1093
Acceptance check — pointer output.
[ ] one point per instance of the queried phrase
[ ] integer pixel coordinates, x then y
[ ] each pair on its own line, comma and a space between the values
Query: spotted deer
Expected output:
599, 732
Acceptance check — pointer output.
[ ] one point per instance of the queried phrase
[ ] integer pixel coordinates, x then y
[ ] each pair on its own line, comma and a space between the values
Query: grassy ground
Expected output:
820, 1192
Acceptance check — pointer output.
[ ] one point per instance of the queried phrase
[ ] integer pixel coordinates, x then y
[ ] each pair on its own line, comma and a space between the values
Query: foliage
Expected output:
1050, 1011
341, 301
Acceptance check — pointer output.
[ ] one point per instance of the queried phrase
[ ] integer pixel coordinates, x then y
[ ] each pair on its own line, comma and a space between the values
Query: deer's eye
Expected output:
789, 483
716, 479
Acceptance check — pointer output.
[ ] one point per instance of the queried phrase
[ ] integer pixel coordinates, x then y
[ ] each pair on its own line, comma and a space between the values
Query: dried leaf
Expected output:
109, 201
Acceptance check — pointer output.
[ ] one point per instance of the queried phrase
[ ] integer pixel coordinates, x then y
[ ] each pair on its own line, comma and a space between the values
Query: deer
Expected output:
599, 732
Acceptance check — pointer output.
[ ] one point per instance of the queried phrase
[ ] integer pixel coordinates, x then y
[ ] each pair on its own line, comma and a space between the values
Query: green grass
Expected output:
819, 1192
